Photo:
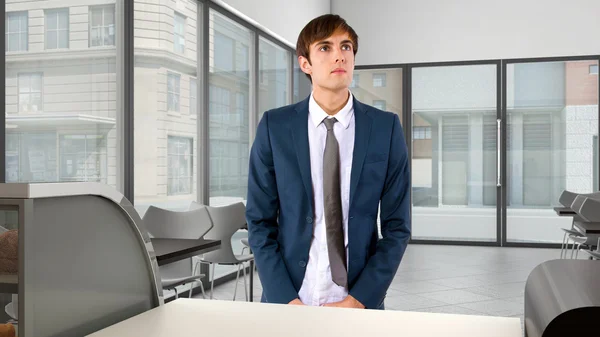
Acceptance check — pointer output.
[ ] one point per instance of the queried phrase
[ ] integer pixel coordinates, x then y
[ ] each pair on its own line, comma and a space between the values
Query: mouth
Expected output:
339, 71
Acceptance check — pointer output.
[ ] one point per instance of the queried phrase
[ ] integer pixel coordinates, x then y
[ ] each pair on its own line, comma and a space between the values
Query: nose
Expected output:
339, 56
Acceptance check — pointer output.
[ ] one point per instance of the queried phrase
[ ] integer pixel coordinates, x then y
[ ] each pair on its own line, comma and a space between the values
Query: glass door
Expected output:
551, 110
455, 154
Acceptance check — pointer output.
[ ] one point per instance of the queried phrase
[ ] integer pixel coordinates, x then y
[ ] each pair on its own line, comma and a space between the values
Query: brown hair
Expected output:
319, 29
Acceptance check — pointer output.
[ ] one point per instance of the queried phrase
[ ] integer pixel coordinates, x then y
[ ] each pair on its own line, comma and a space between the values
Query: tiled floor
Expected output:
451, 279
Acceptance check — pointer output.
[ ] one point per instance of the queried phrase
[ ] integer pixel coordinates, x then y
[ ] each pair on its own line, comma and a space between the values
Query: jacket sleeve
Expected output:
261, 214
376, 277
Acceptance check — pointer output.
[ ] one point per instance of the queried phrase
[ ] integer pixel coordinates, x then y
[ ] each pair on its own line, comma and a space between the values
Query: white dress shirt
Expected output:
317, 287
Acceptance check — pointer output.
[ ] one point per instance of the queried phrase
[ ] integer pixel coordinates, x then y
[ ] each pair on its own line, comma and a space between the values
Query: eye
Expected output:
324, 48
346, 47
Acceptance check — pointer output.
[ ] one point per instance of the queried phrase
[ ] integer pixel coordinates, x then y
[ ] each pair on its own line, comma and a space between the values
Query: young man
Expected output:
319, 169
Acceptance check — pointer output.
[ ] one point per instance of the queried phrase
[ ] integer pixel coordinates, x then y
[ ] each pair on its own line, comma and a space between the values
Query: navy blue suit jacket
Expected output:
279, 207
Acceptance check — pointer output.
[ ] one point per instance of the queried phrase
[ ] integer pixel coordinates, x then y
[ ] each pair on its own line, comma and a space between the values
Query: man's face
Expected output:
331, 62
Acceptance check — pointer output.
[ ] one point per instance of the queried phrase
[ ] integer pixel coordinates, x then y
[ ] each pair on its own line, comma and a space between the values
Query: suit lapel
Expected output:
362, 133
299, 127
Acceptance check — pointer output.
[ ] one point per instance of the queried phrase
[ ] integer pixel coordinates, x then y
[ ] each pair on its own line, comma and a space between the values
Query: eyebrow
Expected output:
329, 43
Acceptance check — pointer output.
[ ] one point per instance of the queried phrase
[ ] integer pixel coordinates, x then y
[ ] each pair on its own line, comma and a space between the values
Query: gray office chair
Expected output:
246, 245
193, 224
573, 235
227, 221
594, 254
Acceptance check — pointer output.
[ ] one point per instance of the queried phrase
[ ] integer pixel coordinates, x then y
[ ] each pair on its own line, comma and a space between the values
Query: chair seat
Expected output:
245, 258
593, 253
578, 239
572, 232
245, 242
174, 282
238, 259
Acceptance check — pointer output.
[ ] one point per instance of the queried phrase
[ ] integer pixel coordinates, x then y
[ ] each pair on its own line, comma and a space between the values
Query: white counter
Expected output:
189, 317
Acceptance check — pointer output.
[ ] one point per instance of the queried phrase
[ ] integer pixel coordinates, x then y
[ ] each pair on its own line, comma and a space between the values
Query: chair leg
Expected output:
236, 282
176, 294
212, 281
245, 286
562, 247
202, 288
573, 250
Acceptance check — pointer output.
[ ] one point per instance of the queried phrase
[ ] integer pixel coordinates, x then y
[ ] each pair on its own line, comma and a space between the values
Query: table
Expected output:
564, 211
9, 283
172, 250
191, 317
587, 228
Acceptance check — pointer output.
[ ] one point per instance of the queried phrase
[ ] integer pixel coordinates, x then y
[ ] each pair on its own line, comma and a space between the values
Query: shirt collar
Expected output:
317, 114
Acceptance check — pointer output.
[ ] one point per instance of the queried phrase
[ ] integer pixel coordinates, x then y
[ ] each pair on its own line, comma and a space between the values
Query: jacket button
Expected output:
302, 264
308, 219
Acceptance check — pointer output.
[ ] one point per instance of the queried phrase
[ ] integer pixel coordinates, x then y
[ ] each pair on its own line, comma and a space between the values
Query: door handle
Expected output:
498, 151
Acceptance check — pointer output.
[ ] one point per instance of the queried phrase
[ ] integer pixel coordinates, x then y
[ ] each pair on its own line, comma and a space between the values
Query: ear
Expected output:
305, 65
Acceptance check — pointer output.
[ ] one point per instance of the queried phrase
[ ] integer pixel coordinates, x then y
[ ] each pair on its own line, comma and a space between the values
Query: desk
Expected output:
587, 228
172, 250
564, 211
9, 283
189, 317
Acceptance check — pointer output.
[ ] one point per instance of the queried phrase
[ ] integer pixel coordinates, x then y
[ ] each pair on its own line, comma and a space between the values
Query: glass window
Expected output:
180, 165
83, 158
594, 69
224, 47
179, 33
421, 132
379, 80
173, 91
355, 79
379, 104
62, 114
57, 28
302, 85
229, 108
31, 157
193, 97
166, 81
17, 28
30, 92
387, 98
274, 72
102, 26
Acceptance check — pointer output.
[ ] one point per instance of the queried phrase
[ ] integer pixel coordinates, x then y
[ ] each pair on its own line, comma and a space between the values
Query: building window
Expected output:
421, 132
173, 91
594, 69
219, 106
180, 165
224, 52
102, 26
379, 80
30, 92
82, 158
179, 33
379, 104
57, 28
355, 79
193, 97
16, 27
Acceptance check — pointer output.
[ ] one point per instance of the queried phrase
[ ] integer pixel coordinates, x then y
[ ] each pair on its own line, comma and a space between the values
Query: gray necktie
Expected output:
333, 207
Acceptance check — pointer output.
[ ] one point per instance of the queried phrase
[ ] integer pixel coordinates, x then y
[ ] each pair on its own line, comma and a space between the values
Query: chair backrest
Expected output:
227, 221
166, 224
